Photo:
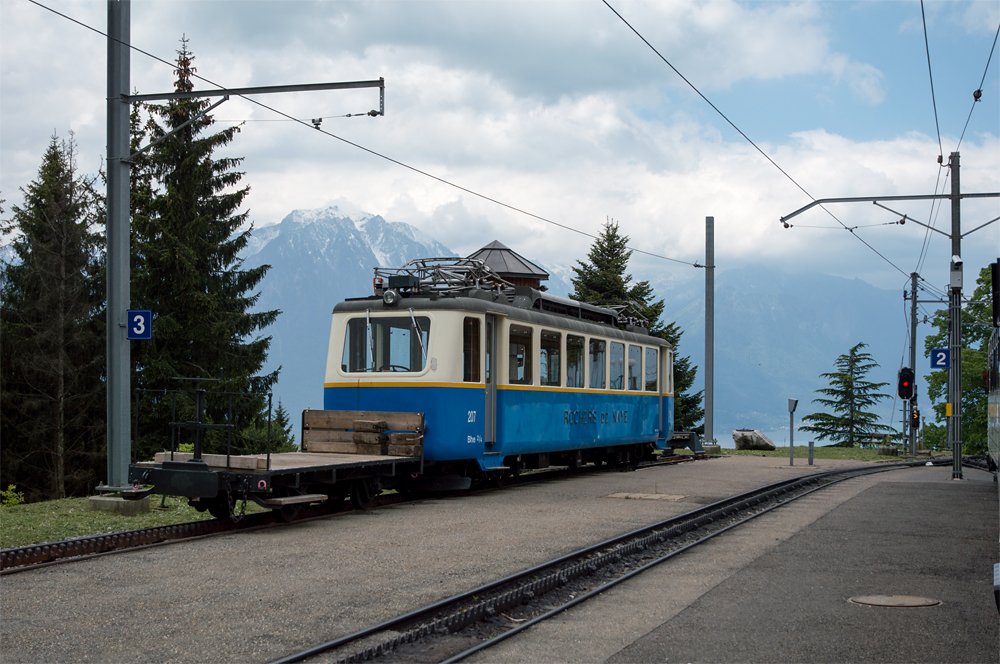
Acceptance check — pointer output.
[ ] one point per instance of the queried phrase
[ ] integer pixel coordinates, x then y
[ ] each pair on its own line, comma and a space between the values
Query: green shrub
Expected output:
10, 496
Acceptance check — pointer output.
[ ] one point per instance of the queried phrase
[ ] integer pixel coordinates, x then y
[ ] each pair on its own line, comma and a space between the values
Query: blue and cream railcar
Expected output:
505, 378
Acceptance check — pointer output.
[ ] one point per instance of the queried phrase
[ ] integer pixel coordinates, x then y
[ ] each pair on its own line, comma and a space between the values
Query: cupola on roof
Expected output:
510, 265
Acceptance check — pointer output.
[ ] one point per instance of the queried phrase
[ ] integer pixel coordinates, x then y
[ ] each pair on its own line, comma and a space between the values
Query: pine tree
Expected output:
52, 397
188, 232
849, 396
603, 281
976, 330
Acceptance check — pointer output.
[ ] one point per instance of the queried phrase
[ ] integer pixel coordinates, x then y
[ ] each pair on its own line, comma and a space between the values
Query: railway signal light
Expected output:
904, 385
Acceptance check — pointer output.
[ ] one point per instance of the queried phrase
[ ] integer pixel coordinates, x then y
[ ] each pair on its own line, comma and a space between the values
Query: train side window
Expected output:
598, 360
634, 366
549, 353
574, 361
652, 366
471, 345
617, 372
519, 355
386, 344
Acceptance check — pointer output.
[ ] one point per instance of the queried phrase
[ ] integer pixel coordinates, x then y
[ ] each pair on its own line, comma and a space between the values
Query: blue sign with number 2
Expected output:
140, 324
941, 358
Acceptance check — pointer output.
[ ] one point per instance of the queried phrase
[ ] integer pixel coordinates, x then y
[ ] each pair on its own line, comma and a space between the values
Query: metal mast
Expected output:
118, 252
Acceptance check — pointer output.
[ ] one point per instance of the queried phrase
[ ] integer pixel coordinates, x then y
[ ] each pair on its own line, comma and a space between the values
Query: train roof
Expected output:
468, 284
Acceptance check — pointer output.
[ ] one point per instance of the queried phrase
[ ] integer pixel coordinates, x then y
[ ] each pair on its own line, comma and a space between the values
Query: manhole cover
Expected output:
895, 601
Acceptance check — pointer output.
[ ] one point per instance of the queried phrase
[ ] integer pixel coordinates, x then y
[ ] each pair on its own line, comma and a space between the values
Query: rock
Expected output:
751, 439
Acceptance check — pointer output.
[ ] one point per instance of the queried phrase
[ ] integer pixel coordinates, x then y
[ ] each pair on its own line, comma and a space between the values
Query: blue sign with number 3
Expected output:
140, 324
941, 358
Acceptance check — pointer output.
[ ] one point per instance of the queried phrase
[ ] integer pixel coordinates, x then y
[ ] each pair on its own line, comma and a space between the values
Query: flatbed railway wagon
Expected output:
344, 454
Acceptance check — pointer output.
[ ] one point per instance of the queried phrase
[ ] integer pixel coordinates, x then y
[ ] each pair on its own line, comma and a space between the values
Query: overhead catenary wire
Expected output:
978, 93
370, 151
936, 205
930, 75
746, 137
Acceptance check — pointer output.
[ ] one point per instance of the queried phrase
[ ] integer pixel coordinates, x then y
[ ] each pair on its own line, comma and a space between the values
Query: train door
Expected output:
490, 425
667, 392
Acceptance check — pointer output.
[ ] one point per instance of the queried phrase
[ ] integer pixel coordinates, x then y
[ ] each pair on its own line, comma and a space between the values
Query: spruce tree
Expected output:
603, 281
52, 396
188, 232
849, 396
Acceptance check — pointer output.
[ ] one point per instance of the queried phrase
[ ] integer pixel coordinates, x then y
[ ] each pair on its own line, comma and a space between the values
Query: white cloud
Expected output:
555, 108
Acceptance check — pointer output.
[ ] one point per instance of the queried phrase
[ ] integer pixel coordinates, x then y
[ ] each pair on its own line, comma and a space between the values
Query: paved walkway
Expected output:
253, 597
780, 589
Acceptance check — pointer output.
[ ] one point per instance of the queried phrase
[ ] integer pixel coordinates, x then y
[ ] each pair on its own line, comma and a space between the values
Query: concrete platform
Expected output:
781, 589
253, 597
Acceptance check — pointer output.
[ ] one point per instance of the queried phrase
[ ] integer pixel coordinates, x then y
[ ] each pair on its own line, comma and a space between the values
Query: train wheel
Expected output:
335, 500
497, 479
220, 507
363, 491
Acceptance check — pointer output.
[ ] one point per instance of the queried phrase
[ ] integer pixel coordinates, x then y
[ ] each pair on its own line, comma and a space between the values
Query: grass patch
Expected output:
56, 520
835, 453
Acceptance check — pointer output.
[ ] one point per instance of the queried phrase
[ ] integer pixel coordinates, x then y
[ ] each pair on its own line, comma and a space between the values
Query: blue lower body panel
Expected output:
453, 416
549, 421
527, 421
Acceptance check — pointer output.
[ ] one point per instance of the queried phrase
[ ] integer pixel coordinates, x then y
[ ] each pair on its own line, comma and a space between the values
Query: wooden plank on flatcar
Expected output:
338, 436
370, 448
405, 449
304, 460
405, 438
238, 462
373, 426
345, 419
348, 447
296, 500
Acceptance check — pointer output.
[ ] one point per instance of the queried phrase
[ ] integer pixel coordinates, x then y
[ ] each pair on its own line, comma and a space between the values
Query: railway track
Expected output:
457, 627
33, 556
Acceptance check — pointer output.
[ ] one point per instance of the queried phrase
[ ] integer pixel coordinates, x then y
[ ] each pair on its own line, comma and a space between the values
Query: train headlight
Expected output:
390, 297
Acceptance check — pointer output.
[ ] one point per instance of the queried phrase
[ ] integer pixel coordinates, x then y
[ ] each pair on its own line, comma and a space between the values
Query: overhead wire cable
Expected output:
977, 95
366, 149
932, 218
746, 137
930, 75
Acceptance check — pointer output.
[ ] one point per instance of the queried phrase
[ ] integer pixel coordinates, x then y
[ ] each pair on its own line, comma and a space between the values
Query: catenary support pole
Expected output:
913, 363
709, 329
955, 323
119, 358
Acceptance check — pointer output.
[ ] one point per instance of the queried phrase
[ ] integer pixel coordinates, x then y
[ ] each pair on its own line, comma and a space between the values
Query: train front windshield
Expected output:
397, 343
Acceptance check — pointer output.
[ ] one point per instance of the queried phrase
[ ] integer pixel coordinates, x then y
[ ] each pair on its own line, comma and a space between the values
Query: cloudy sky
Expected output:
561, 112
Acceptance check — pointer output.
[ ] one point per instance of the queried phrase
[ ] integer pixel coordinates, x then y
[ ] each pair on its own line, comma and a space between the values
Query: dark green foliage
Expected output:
976, 330
849, 396
188, 231
603, 281
52, 348
276, 437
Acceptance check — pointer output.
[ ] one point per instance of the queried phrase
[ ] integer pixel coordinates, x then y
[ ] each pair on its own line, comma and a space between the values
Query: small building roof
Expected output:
508, 263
